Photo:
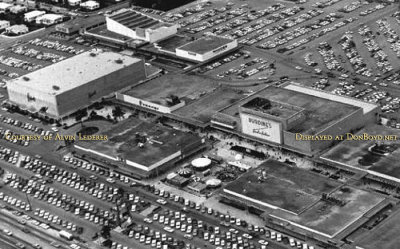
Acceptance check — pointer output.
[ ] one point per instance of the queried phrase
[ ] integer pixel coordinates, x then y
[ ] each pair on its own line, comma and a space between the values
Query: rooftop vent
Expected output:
56, 87
119, 61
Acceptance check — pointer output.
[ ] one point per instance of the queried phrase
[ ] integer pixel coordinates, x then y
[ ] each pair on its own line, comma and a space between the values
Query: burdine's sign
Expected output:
261, 128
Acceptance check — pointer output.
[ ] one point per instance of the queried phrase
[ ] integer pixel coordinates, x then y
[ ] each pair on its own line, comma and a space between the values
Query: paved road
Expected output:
6, 242
35, 235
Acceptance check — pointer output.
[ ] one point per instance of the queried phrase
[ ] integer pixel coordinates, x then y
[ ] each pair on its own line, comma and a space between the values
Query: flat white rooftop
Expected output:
367, 107
73, 72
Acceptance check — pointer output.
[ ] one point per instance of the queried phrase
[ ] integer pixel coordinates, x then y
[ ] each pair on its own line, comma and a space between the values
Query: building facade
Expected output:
62, 88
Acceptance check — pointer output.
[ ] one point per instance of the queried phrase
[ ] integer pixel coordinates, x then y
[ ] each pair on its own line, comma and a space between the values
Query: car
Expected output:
93, 177
169, 229
110, 180
20, 245
162, 201
37, 246
7, 232
54, 244
147, 220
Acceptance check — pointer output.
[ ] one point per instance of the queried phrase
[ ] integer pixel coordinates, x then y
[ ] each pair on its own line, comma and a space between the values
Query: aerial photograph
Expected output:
200, 124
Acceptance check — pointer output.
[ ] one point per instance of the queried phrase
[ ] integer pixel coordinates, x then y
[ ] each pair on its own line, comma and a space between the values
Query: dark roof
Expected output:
133, 19
205, 44
81, 22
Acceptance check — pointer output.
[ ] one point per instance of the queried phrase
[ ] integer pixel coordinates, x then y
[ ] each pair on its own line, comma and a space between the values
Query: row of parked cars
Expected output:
240, 72
357, 62
33, 53
325, 3
260, 33
374, 49
213, 12
329, 57
185, 12
8, 74
210, 23
18, 63
223, 61
391, 36
228, 233
320, 33
26, 126
261, 17
56, 45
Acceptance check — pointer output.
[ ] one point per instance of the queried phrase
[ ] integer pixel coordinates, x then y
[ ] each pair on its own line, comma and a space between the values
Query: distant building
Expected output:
139, 26
206, 48
18, 9
75, 25
197, 187
49, 19
64, 87
296, 117
141, 149
4, 24
31, 16
90, 5
4, 7
74, 2
17, 30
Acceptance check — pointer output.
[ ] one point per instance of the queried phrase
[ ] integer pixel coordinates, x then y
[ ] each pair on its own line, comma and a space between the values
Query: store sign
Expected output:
261, 128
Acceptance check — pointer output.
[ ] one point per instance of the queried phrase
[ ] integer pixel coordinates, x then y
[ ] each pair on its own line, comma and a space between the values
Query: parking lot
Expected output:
35, 54
347, 47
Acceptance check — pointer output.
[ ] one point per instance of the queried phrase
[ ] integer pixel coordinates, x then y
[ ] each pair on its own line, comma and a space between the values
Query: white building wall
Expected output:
161, 33
149, 36
31, 100
120, 29
208, 55
147, 104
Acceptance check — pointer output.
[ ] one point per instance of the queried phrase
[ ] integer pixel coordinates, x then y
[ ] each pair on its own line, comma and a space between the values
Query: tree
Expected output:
117, 112
93, 114
105, 232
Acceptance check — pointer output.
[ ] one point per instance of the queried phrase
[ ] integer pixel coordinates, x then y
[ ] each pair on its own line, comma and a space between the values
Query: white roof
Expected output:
4, 21
18, 7
201, 162
74, 1
73, 72
34, 13
213, 182
51, 17
17, 27
5, 5
90, 3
